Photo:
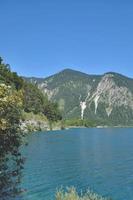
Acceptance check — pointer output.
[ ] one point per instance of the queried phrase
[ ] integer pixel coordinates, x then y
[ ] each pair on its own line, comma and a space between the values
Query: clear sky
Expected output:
42, 37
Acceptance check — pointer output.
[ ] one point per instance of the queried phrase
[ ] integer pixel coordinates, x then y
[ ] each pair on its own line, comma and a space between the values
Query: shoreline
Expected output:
78, 127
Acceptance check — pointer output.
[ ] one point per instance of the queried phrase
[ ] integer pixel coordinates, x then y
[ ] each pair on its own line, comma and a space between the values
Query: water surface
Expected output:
100, 159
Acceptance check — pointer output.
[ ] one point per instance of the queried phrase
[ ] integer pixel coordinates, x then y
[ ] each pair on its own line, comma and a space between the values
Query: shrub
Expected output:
71, 194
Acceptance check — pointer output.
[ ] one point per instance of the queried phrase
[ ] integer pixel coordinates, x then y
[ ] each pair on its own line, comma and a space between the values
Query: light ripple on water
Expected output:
100, 159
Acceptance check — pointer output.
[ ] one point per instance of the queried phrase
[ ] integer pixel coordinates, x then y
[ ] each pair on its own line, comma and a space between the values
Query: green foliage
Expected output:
71, 194
79, 122
8, 77
31, 115
33, 99
11, 161
36, 102
52, 112
10, 115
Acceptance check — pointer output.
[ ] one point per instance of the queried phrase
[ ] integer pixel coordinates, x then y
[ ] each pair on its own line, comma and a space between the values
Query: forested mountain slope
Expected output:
106, 98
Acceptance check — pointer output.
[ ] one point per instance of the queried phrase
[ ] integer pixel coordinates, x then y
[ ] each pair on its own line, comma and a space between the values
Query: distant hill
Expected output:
107, 98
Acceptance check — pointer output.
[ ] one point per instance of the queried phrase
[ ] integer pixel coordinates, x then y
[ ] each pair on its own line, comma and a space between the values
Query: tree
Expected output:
11, 161
52, 112
34, 100
8, 77
1, 60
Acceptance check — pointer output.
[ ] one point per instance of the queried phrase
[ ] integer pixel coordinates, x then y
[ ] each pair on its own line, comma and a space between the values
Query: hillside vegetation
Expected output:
101, 99
33, 100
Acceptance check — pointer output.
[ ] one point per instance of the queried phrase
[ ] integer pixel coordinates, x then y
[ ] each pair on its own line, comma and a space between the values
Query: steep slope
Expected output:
69, 88
107, 98
112, 100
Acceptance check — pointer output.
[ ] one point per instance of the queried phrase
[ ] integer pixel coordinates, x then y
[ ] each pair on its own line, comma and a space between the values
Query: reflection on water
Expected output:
100, 159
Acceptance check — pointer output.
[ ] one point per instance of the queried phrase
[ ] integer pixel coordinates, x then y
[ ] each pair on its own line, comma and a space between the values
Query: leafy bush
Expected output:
71, 194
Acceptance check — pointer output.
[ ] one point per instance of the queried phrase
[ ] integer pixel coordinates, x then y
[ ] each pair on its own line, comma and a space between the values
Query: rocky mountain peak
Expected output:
107, 98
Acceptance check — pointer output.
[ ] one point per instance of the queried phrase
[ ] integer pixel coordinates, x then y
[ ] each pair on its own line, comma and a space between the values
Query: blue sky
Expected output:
42, 37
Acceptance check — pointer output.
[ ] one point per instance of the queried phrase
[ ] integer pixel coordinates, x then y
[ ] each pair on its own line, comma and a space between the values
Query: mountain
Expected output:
107, 98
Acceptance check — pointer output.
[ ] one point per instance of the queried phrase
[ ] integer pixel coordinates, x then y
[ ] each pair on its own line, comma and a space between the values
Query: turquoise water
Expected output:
99, 159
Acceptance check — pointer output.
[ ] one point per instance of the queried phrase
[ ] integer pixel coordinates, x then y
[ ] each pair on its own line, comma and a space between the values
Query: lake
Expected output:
99, 159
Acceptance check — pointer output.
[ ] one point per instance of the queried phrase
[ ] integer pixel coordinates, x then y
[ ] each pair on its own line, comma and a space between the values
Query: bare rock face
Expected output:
108, 93
83, 107
107, 98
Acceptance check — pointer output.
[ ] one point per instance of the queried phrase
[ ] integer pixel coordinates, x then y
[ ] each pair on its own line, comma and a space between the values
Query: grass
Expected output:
71, 194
